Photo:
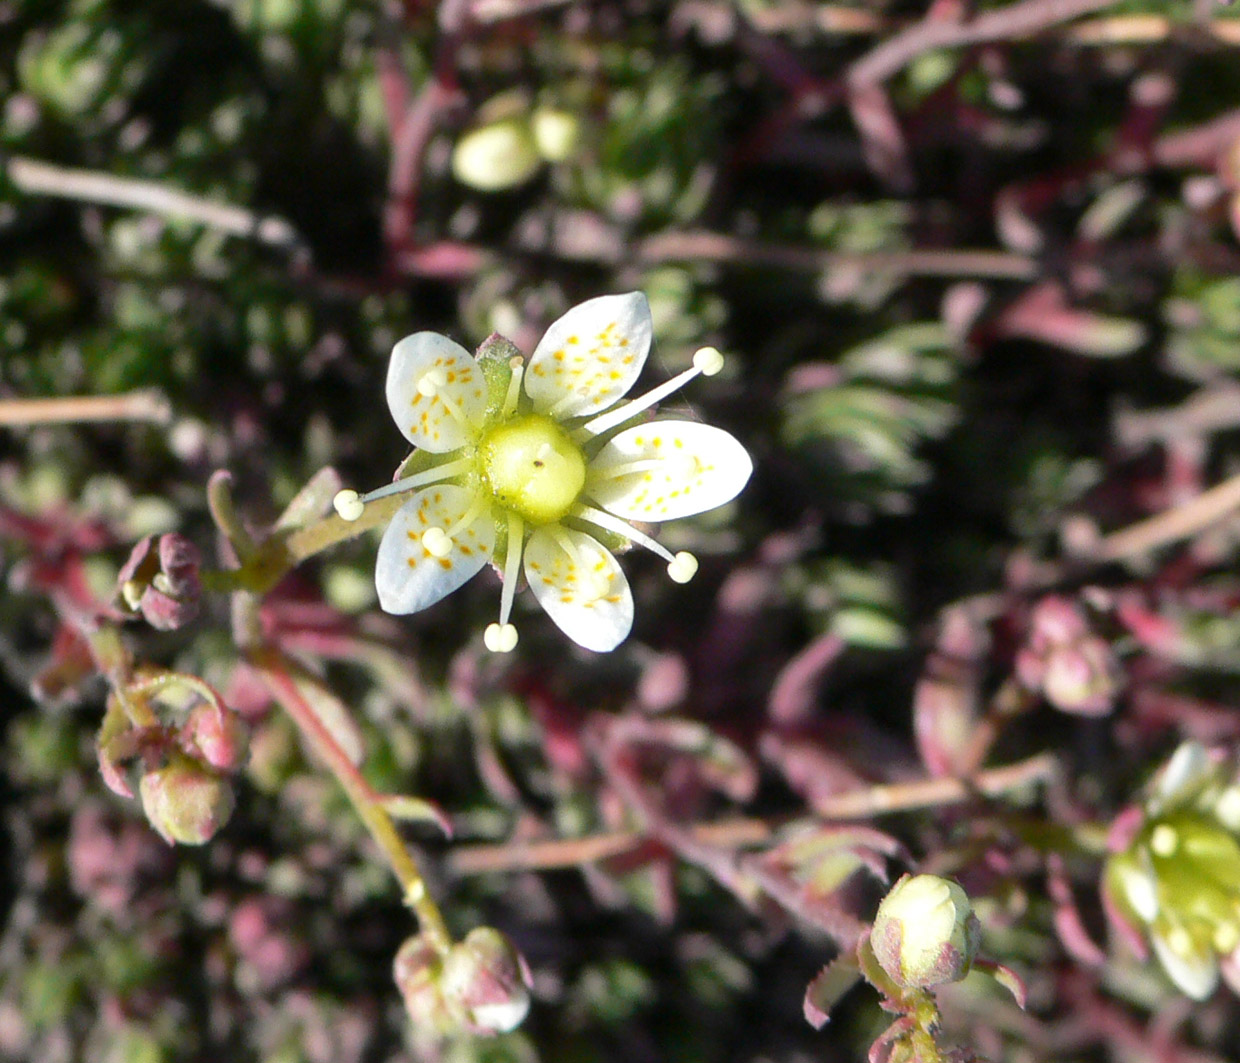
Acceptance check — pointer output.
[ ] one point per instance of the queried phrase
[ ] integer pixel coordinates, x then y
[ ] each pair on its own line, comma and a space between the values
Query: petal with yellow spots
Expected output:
667, 469
436, 392
410, 573
590, 357
580, 585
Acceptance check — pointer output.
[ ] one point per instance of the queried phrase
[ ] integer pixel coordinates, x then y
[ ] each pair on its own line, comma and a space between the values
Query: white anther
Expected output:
1181, 941
1164, 840
437, 542
683, 568
348, 504
500, 638
708, 361
431, 381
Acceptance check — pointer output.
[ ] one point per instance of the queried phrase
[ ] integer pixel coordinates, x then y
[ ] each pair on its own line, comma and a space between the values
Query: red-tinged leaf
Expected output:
1006, 977
945, 700
313, 501
1043, 313
71, 665
721, 764
828, 989
416, 810
1068, 922
114, 776
334, 715
810, 766
795, 691
114, 745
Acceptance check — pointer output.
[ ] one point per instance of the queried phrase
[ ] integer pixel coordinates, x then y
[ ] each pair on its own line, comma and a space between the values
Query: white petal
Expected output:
581, 587
1181, 777
1138, 887
407, 575
1194, 971
698, 468
591, 356
425, 420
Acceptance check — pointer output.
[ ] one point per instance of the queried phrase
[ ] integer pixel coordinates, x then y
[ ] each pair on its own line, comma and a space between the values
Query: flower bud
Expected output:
417, 971
925, 933
496, 156
557, 133
1073, 669
217, 735
488, 980
162, 584
186, 801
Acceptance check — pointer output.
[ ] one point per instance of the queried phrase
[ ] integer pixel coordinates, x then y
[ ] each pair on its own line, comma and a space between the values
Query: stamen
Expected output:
706, 362
517, 365
350, 505
476, 506
432, 381
622, 528
502, 637
625, 468
681, 568
593, 585
437, 542
563, 404
433, 384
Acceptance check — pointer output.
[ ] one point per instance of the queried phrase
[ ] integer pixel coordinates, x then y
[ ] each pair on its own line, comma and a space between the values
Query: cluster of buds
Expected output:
480, 985
1173, 876
1074, 669
161, 582
184, 771
510, 141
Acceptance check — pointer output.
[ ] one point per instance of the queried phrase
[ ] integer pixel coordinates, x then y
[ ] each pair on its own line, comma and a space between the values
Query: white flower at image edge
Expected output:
539, 475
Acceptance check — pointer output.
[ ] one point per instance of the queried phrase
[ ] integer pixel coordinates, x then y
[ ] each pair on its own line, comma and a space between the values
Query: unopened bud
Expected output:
417, 971
162, 583
487, 978
925, 933
1075, 670
557, 133
217, 735
186, 801
496, 156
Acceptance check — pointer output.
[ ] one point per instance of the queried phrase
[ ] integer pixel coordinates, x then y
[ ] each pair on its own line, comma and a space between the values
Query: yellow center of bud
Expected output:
534, 468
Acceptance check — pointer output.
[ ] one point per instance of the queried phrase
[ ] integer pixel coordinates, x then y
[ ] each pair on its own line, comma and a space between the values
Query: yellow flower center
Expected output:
533, 467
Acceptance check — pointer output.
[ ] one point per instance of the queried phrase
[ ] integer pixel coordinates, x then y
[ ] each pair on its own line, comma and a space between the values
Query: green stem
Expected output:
276, 670
114, 661
270, 561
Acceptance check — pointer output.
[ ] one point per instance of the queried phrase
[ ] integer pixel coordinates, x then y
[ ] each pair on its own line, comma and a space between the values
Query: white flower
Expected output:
527, 469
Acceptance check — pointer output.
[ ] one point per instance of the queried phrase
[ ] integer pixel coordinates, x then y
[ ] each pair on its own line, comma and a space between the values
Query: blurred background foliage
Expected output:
979, 309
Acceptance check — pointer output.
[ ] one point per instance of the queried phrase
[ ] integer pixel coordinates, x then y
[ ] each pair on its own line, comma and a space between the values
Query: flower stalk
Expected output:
275, 672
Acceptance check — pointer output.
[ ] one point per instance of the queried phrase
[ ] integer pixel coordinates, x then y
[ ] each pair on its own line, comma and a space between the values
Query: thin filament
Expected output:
623, 528
628, 410
512, 566
420, 479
